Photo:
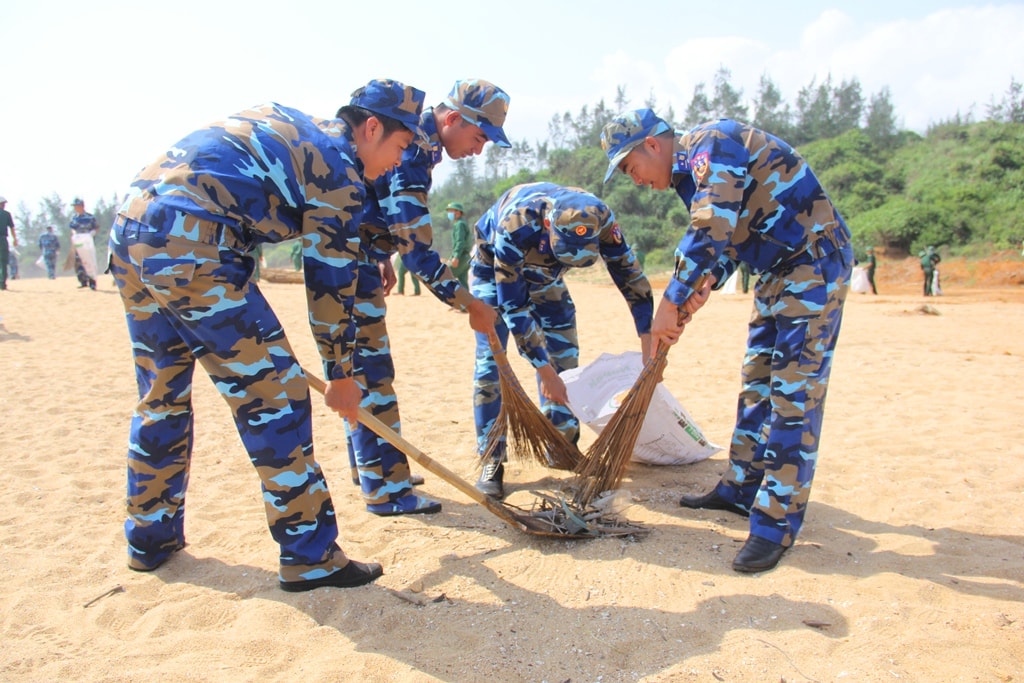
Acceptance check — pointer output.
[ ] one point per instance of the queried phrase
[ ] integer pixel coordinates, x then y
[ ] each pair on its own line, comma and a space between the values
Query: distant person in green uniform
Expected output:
462, 243
870, 268
400, 272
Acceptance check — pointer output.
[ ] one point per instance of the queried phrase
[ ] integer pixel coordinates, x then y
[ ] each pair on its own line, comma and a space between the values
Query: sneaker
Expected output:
406, 505
351, 575
491, 479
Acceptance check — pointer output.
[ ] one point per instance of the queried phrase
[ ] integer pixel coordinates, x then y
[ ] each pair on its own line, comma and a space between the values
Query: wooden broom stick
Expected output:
395, 439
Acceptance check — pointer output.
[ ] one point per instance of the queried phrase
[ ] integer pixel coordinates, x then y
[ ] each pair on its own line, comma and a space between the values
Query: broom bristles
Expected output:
528, 435
605, 463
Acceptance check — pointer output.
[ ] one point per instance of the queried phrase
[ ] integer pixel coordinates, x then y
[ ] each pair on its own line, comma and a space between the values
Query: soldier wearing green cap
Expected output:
462, 242
398, 219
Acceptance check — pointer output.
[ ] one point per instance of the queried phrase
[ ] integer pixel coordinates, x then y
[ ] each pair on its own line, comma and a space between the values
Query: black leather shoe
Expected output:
490, 482
758, 555
351, 575
711, 501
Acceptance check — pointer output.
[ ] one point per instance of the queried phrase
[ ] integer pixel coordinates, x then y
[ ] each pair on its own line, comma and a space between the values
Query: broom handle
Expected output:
424, 460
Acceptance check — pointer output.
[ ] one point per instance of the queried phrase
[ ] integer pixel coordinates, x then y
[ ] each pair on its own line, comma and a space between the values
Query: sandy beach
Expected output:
910, 565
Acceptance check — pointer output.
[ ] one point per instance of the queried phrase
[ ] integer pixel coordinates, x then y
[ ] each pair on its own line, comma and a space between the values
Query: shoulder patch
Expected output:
701, 166
681, 163
616, 233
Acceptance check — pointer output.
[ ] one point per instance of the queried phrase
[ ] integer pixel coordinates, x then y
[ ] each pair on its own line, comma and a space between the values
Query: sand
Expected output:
910, 565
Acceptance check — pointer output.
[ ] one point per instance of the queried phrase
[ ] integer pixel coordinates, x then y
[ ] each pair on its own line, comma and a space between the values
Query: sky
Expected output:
95, 91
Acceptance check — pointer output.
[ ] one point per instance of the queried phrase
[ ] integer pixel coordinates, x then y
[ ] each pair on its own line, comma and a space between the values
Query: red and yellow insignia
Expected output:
581, 230
701, 164
616, 233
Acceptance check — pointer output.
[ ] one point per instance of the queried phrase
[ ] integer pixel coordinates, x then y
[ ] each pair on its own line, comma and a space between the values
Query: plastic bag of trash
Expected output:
669, 435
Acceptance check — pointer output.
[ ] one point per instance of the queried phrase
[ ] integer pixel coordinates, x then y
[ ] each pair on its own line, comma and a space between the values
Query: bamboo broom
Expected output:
528, 435
545, 521
608, 457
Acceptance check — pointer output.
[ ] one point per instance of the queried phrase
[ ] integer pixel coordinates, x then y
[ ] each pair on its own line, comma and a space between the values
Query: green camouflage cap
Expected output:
455, 206
483, 104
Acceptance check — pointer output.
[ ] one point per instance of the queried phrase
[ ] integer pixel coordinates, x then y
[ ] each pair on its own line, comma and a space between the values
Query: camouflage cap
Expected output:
626, 131
576, 221
483, 104
395, 100
77, 201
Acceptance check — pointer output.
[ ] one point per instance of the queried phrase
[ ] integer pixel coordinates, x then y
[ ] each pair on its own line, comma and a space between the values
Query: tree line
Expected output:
960, 185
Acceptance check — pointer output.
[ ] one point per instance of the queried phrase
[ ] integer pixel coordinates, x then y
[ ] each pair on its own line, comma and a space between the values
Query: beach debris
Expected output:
560, 515
116, 589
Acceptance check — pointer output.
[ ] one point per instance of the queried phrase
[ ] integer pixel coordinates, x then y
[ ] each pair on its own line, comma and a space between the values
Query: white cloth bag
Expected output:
669, 435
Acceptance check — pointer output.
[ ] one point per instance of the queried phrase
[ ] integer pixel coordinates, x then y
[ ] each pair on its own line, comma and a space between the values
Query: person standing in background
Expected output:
870, 269
83, 227
49, 245
6, 228
400, 272
462, 243
929, 265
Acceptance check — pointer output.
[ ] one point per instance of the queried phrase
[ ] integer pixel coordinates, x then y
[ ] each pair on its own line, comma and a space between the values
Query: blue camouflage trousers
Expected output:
774, 448
555, 313
188, 298
383, 469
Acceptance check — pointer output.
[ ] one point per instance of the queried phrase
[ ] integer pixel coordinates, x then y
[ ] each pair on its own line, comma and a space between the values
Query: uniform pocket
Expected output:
163, 272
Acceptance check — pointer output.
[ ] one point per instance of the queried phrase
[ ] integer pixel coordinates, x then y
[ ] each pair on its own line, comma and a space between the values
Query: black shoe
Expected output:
351, 575
711, 501
757, 555
490, 481
137, 566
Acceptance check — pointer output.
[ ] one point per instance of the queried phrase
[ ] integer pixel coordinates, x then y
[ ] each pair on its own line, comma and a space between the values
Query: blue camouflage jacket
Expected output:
398, 217
751, 198
269, 174
513, 251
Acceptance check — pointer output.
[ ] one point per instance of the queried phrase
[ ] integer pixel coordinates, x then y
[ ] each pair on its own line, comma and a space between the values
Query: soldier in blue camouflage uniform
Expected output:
49, 245
83, 228
182, 256
752, 198
398, 219
525, 243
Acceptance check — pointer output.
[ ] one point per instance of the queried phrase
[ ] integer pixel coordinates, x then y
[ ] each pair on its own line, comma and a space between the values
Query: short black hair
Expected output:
356, 115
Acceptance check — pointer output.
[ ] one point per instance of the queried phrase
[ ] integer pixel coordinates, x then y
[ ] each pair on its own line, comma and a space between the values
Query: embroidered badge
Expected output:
682, 163
581, 230
616, 233
701, 166
435, 153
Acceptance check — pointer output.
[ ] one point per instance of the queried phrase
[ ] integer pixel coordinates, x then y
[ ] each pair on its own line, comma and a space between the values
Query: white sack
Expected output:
669, 435
859, 282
